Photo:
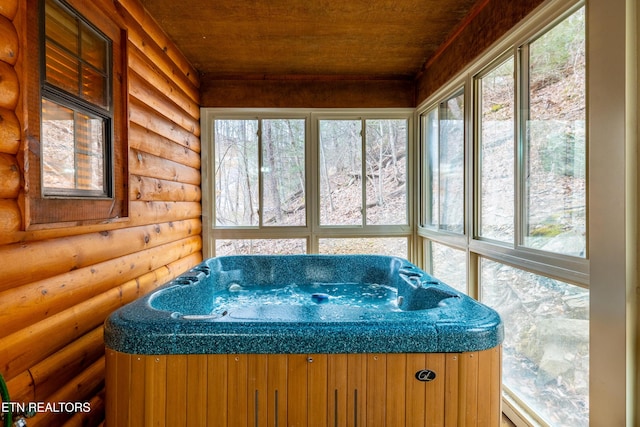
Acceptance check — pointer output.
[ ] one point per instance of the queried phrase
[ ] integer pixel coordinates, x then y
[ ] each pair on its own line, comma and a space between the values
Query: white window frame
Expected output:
312, 231
609, 270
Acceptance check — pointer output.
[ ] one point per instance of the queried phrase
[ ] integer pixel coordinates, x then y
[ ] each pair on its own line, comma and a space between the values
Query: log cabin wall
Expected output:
58, 284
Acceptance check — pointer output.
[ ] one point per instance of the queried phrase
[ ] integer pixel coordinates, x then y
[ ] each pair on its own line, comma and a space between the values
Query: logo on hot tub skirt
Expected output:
425, 375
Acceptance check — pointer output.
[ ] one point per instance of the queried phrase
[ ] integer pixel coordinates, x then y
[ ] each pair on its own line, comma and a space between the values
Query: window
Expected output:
260, 172
515, 235
546, 346
78, 154
443, 129
496, 152
344, 175
296, 181
445, 263
554, 131
76, 110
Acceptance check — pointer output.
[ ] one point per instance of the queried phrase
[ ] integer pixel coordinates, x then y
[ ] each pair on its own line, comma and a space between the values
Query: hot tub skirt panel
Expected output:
374, 389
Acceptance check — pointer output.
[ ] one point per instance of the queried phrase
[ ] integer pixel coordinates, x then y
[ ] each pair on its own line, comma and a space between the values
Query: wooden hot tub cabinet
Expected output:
288, 390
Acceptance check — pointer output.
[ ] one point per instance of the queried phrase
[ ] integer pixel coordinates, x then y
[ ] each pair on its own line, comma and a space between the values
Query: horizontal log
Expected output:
29, 346
45, 377
48, 258
145, 164
9, 44
9, 8
95, 417
61, 366
9, 177
21, 388
9, 86
148, 95
10, 216
25, 305
141, 213
154, 212
143, 188
159, 47
151, 73
9, 132
82, 388
145, 140
147, 118
152, 280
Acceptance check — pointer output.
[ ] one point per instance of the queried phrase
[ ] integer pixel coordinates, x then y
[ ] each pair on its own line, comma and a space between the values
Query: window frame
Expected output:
313, 231
559, 266
429, 221
75, 209
565, 268
76, 103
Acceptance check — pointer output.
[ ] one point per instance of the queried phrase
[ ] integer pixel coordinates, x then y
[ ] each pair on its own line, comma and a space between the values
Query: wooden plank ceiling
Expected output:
310, 39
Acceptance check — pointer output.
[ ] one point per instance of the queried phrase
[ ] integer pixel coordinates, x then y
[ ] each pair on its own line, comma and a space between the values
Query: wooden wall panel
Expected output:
304, 390
58, 284
302, 93
489, 24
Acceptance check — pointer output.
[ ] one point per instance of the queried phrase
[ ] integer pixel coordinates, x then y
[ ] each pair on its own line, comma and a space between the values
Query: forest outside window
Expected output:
290, 182
260, 175
346, 199
78, 154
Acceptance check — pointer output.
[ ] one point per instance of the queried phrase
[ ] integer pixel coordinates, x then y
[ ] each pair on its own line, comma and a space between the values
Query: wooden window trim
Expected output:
52, 212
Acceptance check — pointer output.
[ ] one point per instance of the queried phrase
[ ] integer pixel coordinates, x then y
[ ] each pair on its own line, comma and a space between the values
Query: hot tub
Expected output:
304, 340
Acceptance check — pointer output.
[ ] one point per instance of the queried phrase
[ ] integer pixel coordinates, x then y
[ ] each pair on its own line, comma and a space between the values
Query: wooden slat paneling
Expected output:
417, 406
376, 389
237, 400
337, 389
435, 391
155, 379
296, 402
217, 397
257, 382
356, 389
277, 390
396, 392
176, 410
451, 389
317, 390
197, 390
302, 390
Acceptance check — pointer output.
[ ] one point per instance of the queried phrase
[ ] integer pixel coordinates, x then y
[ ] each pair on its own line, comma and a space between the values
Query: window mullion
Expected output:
79, 41
76, 159
261, 172
363, 171
520, 146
